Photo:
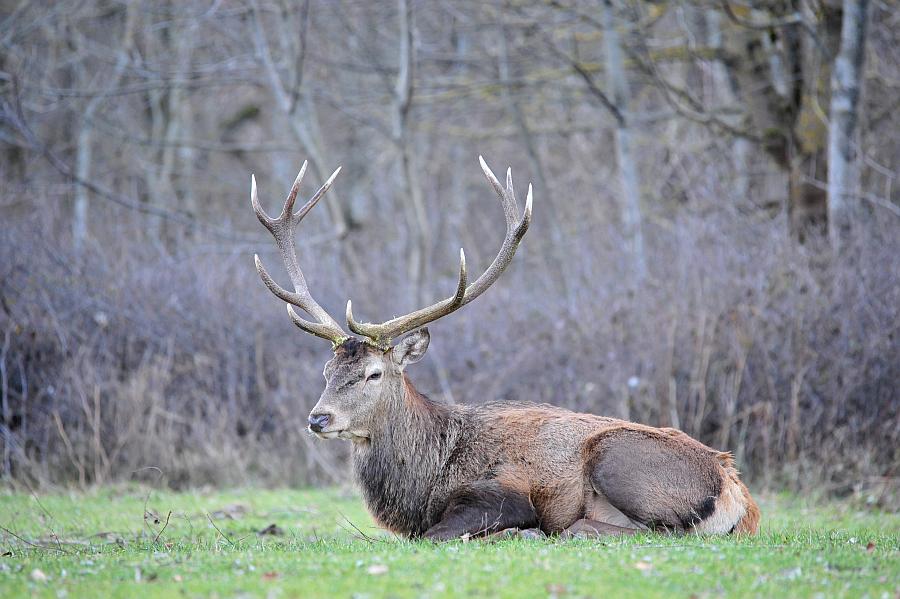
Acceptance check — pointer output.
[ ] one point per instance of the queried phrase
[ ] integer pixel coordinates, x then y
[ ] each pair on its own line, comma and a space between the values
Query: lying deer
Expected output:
437, 470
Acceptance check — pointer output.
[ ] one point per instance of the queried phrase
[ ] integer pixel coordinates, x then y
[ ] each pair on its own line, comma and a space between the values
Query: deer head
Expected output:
366, 372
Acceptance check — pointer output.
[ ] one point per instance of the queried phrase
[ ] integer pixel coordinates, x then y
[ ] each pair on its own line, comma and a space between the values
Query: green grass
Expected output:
99, 544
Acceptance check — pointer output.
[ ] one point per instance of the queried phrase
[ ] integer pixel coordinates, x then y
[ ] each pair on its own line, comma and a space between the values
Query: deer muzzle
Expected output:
318, 422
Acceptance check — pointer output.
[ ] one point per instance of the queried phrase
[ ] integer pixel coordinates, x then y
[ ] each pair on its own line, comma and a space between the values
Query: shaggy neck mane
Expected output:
401, 464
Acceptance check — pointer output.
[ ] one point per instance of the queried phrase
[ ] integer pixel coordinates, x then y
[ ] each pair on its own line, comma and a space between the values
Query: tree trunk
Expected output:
553, 256
415, 211
785, 113
299, 110
628, 174
84, 153
846, 83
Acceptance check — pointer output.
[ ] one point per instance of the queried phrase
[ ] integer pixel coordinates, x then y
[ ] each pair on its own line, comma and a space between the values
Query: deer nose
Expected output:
317, 422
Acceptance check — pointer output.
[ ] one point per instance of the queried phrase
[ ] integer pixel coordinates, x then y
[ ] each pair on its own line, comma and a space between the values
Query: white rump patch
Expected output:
729, 510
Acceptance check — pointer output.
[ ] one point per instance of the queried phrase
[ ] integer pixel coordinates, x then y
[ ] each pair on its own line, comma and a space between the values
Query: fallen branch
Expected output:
35, 545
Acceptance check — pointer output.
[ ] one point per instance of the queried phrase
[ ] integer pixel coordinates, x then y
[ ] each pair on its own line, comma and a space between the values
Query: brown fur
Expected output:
652, 477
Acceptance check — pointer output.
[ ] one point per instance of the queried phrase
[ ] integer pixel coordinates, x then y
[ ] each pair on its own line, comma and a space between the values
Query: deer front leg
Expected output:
482, 508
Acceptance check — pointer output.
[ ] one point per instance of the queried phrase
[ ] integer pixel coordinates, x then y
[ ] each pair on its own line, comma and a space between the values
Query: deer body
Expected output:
422, 457
441, 471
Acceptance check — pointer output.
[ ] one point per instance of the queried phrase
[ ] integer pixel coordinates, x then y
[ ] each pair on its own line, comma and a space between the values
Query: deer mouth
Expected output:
345, 434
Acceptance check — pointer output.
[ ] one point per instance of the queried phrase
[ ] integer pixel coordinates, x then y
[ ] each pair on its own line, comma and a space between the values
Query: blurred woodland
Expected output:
714, 247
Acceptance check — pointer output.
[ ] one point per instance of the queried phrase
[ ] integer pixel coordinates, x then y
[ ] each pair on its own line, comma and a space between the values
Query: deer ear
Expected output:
411, 349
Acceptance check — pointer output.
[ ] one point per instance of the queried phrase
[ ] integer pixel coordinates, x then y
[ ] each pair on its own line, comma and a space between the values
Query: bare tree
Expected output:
403, 138
846, 87
629, 179
292, 93
86, 131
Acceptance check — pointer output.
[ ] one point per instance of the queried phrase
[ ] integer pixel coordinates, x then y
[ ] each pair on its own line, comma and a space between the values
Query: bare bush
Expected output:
116, 361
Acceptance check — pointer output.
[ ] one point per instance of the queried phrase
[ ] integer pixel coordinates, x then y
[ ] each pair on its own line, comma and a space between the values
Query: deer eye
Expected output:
374, 376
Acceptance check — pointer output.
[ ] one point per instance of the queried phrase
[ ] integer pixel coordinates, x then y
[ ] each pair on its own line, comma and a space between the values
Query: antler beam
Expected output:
282, 229
381, 334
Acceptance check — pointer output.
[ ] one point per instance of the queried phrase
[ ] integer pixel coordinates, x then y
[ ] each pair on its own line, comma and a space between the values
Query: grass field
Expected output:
105, 543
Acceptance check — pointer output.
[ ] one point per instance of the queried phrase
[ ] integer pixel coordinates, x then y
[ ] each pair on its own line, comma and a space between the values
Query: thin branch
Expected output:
159, 473
46, 513
586, 76
792, 19
35, 545
143, 88
695, 112
208, 517
364, 536
863, 195
16, 117
169, 515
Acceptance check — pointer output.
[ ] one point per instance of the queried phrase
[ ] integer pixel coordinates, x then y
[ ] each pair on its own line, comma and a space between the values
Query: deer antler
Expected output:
381, 334
282, 229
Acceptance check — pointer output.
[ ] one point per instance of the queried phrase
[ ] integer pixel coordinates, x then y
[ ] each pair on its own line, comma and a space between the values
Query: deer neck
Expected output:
404, 458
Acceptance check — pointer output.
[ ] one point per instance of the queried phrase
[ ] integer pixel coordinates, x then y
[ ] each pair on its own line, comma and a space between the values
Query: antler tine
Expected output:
515, 230
282, 229
288, 207
267, 221
509, 183
382, 333
507, 196
318, 195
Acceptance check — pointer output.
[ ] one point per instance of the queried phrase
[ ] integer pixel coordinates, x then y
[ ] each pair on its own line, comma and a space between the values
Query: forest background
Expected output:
714, 245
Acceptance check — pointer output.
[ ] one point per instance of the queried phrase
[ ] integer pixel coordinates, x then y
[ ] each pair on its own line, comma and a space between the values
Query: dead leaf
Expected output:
870, 547
272, 529
233, 511
271, 575
643, 566
177, 578
377, 569
38, 575
556, 590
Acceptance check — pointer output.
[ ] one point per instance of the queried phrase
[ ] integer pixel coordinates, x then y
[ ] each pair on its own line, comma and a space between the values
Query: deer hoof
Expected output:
532, 533
519, 533
592, 529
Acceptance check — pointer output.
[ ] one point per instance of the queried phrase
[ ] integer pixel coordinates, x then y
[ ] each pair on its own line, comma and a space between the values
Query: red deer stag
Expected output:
441, 471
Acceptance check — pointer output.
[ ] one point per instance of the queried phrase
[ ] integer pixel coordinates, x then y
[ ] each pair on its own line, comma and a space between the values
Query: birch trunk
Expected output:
628, 173
846, 83
416, 213
84, 149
